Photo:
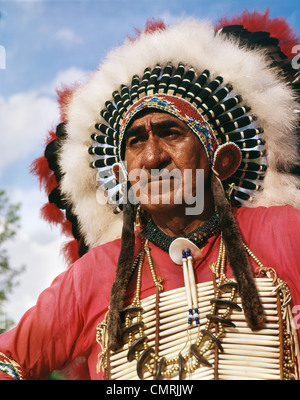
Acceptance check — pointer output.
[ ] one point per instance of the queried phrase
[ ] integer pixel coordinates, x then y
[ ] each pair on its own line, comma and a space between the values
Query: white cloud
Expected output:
64, 79
67, 37
43, 263
25, 118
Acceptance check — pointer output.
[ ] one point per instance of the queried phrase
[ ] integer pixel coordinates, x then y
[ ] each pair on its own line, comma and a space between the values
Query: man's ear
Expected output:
119, 173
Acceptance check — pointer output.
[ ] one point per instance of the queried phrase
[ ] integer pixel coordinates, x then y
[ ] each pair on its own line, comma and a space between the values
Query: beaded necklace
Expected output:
199, 236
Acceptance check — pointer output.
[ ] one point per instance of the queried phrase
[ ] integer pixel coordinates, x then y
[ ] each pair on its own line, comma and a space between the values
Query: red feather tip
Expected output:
52, 214
152, 25
40, 168
51, 136
256, 21
64, 96
50, 184
66, 228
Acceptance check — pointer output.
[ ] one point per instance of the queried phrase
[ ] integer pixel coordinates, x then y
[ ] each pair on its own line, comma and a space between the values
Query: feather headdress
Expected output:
253, 84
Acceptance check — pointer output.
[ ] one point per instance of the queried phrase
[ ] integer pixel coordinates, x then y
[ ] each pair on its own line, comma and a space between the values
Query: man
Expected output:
176, 296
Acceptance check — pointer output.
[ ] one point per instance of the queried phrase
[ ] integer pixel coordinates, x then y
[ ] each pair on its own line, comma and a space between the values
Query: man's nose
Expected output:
154, 155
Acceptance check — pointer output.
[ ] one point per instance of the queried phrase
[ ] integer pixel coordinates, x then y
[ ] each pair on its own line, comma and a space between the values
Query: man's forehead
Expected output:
154, 119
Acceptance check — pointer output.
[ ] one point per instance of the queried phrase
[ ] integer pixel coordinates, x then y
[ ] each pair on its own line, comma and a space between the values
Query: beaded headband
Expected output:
182, 110
226, 129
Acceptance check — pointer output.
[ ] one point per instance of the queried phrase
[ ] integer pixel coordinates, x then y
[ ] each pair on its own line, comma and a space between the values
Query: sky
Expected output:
47, 44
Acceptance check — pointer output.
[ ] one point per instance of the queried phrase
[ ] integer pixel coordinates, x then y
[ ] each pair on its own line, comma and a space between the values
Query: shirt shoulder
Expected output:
276, 217
98, 265
273, 235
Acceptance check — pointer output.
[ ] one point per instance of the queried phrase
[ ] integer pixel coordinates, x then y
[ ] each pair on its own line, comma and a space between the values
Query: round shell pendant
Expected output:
178, 246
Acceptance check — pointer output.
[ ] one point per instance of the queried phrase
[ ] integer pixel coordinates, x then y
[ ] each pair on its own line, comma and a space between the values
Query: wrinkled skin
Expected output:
160, 141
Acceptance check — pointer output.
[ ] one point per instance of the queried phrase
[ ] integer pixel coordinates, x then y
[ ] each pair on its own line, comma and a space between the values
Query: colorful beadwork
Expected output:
199, 236
227, 159
10, 367
183, 110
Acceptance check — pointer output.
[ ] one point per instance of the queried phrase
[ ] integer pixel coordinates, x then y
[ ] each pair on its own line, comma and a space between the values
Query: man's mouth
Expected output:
155, 177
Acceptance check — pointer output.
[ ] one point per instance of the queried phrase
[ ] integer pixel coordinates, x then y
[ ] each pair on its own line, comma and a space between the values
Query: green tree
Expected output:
9, 224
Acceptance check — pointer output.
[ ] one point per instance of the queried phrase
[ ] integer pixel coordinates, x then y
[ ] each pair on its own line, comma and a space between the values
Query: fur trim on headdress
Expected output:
248, 71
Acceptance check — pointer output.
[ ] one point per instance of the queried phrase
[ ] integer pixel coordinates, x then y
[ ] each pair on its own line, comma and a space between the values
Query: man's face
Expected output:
162, 155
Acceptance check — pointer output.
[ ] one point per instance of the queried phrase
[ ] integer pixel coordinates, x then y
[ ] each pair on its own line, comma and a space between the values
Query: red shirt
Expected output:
61, 327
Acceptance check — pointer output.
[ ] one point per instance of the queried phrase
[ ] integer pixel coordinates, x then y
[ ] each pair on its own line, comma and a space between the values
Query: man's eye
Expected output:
171, 134
135, 140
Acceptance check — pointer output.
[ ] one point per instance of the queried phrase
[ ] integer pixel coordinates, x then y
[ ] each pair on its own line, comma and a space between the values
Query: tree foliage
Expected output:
9, 219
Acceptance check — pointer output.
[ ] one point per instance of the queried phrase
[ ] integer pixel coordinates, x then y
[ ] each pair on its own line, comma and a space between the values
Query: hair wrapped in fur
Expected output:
237, 257
123, 274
